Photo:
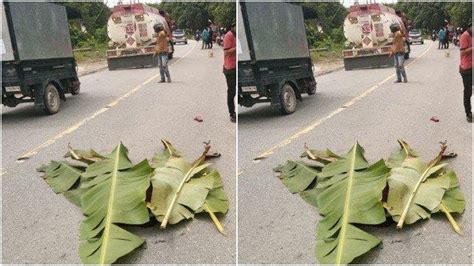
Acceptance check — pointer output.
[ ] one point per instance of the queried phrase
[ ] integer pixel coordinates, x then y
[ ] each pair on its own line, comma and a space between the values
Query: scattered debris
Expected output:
434, 119
198, 119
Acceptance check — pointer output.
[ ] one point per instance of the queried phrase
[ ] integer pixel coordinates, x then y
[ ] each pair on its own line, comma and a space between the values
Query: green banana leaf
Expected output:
116, 195
453, 201
160, 158
300, 177
415, 188
297, 176
179, 188
350, 193
216, 201
84, 156
323, 157
396, 159
61, 176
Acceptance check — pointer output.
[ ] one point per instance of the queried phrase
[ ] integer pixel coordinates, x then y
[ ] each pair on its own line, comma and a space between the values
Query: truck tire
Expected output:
287, 99
52, 101
170, 56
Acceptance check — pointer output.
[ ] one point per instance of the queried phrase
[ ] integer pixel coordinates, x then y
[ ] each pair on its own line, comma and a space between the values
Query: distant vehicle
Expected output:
274, 68
132, 37
415, 36
38, 64
369, 39
179, 36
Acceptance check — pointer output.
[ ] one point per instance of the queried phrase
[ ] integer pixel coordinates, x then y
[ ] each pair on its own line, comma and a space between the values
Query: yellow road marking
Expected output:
73, 128
316, 123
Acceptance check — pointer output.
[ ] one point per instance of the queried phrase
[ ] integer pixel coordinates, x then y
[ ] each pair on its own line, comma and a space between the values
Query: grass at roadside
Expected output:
95, 54
329, 54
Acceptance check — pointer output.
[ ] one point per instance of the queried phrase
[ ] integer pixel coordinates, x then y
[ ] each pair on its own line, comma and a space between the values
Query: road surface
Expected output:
366, 106
42, 227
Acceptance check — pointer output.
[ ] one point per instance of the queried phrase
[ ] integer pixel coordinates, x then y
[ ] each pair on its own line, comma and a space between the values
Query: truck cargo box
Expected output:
41, 30
276, 31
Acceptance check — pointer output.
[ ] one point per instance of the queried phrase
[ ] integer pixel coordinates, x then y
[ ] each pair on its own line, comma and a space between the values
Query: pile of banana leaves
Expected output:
349, 191
112, 191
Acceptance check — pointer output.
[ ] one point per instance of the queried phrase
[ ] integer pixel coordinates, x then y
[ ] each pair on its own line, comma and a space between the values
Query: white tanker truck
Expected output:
367, 30
132, 38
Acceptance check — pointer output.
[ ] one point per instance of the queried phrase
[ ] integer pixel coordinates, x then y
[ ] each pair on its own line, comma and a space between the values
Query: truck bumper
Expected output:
132, 61
367, 58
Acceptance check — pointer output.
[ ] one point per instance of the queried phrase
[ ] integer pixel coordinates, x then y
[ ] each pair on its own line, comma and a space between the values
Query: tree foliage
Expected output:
432, 15
198, 15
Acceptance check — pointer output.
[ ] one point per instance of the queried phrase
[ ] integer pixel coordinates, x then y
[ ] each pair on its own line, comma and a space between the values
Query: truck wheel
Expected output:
170, 56
52, 101
407, 56
287, 100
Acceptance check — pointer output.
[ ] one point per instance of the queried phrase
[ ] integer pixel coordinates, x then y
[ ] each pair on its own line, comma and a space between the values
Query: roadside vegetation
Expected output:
89, 33
324, 23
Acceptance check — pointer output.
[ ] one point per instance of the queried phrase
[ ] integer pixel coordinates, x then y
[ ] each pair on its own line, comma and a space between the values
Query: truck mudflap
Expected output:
367, 58
132, 61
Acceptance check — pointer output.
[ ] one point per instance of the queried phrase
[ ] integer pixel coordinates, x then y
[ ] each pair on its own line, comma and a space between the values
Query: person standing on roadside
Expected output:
441, 36
230, 69
211, 37
161, 49
398, 51
205, 35
465, 68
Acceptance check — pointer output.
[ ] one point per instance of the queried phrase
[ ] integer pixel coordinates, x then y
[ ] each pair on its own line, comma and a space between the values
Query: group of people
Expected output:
206, 37
443, 38
229, 67
465, 66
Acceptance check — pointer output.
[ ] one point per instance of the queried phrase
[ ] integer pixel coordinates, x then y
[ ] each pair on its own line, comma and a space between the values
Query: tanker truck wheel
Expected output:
287, 100
52, 102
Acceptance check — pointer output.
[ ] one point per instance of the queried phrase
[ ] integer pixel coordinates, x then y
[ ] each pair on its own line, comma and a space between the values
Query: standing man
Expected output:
211, 37
161, 49
465, 68
230, 70
441, 36
205, 35
398, 50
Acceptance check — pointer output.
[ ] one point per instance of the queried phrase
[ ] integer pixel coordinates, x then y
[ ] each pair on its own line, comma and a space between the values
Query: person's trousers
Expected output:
467, 81
230, 76
400, 66
440, 44
163, 62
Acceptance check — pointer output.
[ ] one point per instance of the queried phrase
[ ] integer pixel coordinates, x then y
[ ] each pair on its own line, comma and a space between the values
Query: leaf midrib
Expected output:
345, 215
108, 219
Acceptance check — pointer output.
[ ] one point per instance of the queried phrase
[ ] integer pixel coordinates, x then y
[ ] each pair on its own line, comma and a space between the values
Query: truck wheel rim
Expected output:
52, 99
289, 100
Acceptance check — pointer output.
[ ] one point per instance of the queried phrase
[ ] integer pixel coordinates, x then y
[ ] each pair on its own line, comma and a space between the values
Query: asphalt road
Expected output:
278, 227
42, 227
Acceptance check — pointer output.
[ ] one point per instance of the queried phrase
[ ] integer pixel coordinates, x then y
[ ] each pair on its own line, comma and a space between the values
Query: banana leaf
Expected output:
216, 201
116, 195
61, 176
297, 176
415, 188
84, 156
396, 159
160, 158
453, 201
300, 177
179, 188
323, 157
350, 193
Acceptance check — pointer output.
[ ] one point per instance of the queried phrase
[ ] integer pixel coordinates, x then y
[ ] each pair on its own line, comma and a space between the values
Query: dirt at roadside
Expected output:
89, 67
321, 68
